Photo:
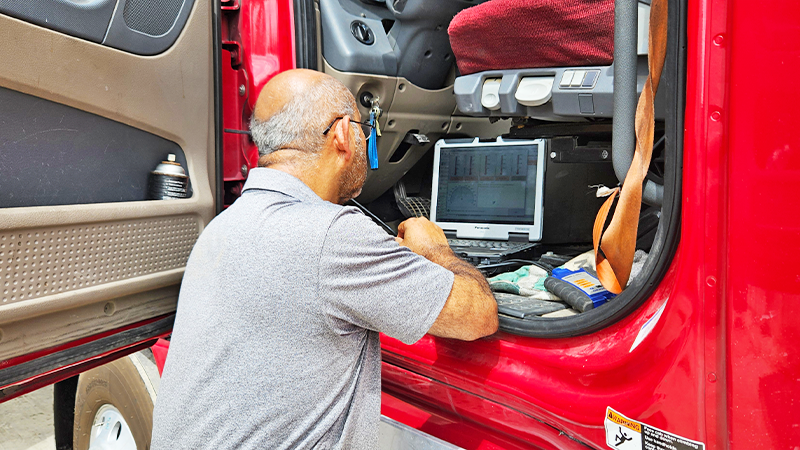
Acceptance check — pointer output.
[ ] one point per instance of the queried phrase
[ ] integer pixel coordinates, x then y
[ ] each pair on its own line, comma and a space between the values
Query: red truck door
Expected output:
92, 98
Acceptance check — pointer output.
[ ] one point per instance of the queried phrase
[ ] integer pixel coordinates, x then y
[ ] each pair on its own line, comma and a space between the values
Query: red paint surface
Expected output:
263, 30
457, 430
160, 349
762, 277
721, 365
564, 384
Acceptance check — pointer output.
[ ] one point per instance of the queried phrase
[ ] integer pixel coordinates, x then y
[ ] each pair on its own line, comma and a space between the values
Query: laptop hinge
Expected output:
450, 234
518, 237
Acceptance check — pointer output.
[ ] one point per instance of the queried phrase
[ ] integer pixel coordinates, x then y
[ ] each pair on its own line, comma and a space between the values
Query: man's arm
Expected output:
470, 311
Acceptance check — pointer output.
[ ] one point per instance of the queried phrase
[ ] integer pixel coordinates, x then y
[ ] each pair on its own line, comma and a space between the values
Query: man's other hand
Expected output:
422, 237
471, 310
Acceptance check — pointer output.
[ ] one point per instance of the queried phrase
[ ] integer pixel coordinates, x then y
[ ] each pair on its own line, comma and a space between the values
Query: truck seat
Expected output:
545, 59
524, 34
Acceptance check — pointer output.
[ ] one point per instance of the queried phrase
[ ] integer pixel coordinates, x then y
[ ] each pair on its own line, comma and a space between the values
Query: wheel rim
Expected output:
110, 431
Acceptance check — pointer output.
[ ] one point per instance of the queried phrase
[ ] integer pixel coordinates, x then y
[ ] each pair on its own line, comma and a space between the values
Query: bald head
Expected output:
294, 108
282, 88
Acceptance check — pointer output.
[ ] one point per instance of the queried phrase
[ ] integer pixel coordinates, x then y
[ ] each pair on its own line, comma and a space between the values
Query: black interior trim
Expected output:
216, 33
54, 154
668, 233
72, 355
86, 20
305, 30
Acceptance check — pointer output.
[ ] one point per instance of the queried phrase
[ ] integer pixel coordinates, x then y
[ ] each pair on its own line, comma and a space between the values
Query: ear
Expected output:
341, 138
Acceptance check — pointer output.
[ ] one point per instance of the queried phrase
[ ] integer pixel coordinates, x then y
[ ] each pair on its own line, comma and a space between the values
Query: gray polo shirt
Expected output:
276, 342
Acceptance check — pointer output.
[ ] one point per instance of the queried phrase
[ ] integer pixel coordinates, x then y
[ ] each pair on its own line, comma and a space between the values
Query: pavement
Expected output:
26, 422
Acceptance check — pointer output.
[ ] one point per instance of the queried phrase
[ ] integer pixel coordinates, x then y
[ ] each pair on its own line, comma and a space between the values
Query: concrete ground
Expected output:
26, 423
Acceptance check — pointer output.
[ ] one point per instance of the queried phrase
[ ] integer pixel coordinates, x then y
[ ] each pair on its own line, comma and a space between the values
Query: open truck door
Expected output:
93, 96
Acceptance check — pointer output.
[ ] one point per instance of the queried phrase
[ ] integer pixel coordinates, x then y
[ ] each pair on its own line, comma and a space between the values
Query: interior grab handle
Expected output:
623, 139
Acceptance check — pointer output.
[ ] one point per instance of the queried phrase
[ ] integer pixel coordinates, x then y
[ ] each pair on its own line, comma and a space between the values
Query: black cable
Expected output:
507, 262
230, 130
374, 217
510, 262
659, 142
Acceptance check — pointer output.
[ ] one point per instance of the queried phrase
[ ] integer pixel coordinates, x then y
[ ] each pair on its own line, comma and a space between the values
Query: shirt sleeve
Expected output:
368, 281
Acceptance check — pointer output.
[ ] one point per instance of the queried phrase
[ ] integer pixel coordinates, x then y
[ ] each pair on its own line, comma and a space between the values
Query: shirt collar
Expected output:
275, 180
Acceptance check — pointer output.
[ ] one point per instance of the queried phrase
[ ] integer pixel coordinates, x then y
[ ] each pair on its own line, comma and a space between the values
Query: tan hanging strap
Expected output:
614, 251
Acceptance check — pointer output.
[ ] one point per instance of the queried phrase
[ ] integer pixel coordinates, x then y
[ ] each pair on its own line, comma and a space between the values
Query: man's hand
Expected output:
423, 237
470, 311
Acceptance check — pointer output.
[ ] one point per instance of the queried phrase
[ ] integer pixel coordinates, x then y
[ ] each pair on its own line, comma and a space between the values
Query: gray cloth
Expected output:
276, 339
639, 259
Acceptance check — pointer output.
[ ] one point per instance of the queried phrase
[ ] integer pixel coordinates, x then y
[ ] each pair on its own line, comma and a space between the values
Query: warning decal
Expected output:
625, 434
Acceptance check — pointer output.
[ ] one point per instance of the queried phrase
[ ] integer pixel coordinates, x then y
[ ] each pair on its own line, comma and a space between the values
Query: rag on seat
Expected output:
523, 281
528, 281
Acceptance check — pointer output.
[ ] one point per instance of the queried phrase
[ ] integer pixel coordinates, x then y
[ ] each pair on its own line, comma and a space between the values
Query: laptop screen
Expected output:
495, 183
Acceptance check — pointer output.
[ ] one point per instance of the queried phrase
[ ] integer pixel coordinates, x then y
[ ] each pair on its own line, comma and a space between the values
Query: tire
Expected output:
117, 397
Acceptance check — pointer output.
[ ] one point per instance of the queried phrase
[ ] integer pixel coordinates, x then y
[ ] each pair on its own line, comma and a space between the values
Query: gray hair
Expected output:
301, 121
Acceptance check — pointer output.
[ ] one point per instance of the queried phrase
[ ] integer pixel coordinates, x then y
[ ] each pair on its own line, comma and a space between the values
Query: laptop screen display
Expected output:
494, 184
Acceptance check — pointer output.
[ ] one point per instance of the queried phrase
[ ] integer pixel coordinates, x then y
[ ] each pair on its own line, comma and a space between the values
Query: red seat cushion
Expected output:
519, 34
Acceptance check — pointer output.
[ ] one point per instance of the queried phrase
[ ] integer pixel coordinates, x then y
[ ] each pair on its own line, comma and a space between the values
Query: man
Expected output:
276, 342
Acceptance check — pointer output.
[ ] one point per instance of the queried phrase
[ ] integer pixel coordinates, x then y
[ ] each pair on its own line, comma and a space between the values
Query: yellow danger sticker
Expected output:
623, 433
624, 421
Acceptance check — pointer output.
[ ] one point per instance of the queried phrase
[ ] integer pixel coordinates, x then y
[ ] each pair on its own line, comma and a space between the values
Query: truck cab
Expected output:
124, 131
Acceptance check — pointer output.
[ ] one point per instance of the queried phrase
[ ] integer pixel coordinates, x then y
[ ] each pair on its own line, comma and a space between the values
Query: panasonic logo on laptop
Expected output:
481, 228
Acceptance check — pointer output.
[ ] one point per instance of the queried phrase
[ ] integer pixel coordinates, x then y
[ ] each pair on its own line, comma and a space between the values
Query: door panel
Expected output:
88, 20
414, 82
70, 272
146, 27
61, 155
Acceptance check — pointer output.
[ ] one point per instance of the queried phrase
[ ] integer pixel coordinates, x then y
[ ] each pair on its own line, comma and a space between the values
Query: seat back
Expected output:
526, 34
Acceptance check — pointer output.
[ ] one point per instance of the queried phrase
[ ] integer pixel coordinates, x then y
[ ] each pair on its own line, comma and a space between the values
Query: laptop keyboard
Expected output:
500, 245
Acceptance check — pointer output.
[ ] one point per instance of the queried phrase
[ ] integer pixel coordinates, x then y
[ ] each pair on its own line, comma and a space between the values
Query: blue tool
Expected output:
578, 288
372, 145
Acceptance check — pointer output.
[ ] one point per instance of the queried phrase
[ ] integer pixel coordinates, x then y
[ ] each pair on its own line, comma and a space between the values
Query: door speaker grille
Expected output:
48, 261
152, 17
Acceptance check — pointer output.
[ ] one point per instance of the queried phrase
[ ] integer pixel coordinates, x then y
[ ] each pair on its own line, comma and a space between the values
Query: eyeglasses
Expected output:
366, 127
